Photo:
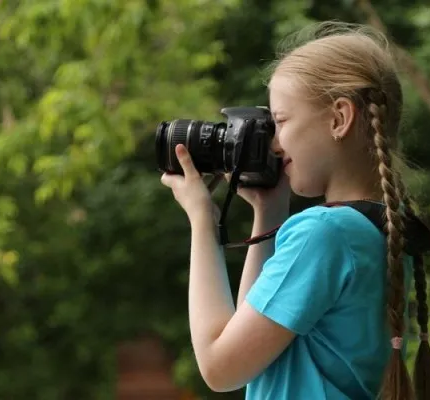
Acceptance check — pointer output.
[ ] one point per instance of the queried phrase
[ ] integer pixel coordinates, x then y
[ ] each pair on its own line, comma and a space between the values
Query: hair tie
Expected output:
424, 336
397, 342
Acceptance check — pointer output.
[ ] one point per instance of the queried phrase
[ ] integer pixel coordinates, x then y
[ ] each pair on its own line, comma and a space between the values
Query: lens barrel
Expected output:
204, 140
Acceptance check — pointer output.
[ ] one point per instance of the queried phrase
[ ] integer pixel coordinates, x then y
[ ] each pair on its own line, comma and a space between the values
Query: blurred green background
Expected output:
94, 250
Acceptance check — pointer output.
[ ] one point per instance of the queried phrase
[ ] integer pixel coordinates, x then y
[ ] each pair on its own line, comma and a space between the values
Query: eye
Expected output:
280, 121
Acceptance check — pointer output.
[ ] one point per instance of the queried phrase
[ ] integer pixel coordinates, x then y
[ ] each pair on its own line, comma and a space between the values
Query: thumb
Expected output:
170, 180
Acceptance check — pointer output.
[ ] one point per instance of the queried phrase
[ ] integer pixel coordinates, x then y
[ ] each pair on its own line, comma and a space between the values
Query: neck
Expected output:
354, 187
352, 197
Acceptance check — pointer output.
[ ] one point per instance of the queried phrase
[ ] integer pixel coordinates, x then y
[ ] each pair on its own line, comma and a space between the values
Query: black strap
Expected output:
416, 233
245, 134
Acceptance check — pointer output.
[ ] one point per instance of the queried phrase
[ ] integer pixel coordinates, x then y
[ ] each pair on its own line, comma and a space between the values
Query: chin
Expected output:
306, 189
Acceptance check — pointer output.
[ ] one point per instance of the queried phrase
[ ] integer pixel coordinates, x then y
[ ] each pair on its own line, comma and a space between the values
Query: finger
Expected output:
227, 177
186, 162
169, 180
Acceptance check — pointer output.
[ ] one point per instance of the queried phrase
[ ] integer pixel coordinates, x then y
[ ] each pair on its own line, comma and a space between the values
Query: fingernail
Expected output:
181, 150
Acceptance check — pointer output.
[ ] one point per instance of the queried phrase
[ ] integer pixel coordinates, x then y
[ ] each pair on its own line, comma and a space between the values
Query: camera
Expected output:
241, 143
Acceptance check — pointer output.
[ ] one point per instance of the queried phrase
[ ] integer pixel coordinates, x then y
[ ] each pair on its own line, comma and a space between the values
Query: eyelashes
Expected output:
279, 123
280, 119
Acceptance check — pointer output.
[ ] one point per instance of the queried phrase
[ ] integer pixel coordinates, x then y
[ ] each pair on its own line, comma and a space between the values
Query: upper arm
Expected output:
249, 343
298, 285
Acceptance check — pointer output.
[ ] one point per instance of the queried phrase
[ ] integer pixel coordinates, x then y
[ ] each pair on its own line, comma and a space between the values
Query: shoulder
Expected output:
314, 243
311, 222
333, 226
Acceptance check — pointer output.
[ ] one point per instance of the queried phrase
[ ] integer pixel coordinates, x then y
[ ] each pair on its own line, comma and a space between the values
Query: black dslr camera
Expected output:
241, 144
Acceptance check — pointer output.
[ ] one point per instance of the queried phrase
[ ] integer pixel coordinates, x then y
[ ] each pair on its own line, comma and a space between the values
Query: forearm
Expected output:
257, 254
211, 303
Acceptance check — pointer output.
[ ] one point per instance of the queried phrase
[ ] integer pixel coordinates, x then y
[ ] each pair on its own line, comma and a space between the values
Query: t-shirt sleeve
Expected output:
307, 273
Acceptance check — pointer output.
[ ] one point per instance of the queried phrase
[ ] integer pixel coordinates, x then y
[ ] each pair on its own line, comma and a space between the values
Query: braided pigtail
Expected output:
422, 360
396, 383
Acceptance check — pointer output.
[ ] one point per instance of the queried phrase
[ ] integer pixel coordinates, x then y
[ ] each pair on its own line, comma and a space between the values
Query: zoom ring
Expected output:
178, 132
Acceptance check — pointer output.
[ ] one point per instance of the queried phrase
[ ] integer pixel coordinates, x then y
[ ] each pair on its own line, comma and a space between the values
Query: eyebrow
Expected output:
276, 114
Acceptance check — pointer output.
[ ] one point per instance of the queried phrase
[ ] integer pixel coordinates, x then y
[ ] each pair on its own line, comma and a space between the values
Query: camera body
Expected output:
242, 142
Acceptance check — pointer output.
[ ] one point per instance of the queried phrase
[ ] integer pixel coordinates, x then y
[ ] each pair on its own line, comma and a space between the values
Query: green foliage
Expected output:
80, 228
93, 250
106, 70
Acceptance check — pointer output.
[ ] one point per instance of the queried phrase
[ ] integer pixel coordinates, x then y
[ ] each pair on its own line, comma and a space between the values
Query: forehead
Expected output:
285, 93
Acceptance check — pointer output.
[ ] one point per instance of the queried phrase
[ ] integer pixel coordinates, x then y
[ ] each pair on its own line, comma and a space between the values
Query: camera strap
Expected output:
415, 232
242, 143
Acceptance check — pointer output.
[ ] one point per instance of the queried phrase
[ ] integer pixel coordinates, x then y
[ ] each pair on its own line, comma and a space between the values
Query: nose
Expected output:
276, 147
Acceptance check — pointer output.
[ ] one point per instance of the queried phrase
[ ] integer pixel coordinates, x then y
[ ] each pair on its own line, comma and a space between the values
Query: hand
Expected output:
189, 190
275, 201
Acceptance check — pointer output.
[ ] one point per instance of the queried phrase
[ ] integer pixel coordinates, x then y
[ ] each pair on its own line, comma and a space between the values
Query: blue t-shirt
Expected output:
326, 282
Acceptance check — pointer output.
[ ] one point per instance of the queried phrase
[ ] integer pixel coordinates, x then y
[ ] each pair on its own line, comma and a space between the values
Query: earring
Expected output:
337, 138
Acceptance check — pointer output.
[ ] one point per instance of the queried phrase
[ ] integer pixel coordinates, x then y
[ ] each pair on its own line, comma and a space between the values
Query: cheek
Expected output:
287, 139
309, 172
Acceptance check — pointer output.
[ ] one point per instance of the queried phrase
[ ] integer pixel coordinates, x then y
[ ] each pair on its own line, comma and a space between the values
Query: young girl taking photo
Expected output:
321, 310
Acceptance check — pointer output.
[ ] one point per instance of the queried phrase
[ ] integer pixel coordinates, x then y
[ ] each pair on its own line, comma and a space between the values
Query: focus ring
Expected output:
178, 132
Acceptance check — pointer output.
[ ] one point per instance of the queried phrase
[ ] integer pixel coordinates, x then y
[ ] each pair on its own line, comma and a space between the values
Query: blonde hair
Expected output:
334, 59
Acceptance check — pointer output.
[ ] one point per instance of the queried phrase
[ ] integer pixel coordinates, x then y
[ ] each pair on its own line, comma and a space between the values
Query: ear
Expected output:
343, 114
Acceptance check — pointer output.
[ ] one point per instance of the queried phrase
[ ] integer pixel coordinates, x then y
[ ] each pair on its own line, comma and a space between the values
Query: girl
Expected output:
320, 312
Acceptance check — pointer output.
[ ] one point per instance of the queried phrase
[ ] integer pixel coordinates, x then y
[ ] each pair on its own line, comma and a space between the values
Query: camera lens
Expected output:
204, 141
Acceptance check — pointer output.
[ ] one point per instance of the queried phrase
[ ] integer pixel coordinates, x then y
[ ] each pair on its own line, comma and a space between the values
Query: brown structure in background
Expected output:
144, 372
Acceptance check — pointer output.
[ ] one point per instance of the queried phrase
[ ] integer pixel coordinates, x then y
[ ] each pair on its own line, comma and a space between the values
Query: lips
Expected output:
286, 162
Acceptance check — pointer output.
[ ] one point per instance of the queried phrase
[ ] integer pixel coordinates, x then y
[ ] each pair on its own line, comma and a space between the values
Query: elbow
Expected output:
218, 379
211, 377
213, 383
